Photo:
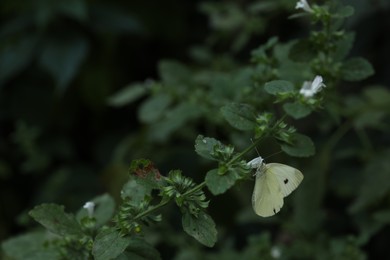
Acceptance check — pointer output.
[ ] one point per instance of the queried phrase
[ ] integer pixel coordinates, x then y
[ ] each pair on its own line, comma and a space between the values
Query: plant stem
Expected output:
195, 189
256, 142
337, 135
202, 184
151, 209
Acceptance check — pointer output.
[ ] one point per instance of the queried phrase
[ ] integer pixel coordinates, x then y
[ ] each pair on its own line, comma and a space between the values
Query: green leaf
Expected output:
289, 69
103, 211
219, 184
53, 217
356, 69
204, 146
140, 249
278, 86
29, 246
175, 118
154, 108
297, 110
202, 228
134, 191
109, 244
302, 51
174, 73
346, 248
240, 116
302, 146
345, 11
344, 46
378, 96
127, 95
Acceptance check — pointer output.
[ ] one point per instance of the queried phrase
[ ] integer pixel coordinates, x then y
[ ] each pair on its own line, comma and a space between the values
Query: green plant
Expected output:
266, 101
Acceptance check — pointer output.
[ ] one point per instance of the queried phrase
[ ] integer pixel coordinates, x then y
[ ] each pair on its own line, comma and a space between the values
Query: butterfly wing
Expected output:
287, 177
267, 198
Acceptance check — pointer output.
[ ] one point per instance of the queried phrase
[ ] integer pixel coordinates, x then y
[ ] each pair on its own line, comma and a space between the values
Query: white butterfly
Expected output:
274, 181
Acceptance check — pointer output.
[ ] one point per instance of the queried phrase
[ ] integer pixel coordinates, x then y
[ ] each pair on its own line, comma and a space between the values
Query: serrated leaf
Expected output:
109, 244
204, 146
219, 184
127, 95
278, 86
240, 116
53, 217
296, 110
103, 211
302, 146
202, 228
153, 108
356, 69
29, 246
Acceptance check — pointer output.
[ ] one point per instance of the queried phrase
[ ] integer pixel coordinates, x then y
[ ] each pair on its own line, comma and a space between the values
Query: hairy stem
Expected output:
152, 209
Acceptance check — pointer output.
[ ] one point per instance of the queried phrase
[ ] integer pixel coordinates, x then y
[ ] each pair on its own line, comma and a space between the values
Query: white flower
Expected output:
90, 207
302, 4
309, 89
255, 163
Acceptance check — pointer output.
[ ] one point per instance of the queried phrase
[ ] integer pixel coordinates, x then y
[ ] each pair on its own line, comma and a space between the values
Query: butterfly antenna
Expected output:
272, 154
257, 151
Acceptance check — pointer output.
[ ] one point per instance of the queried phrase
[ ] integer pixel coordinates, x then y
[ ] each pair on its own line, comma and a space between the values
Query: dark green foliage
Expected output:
297, 110
300, 146
86, 87
109, 244
240, 116
30, 246
278, 87
201, 227
219, 183
53, 217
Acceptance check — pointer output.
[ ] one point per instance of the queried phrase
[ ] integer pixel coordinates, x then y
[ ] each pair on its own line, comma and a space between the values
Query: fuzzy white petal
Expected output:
309, 89
303, 4
90, 207
256, 162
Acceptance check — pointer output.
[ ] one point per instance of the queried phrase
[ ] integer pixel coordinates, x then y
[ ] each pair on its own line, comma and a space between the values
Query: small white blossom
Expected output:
309, 89
275, 252
303, 4
90, 207
255, 163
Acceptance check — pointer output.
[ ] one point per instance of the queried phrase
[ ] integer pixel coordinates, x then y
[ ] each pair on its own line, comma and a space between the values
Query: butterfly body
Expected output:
274, 181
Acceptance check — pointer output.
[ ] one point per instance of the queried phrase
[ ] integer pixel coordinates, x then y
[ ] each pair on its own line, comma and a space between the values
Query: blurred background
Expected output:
68, 130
